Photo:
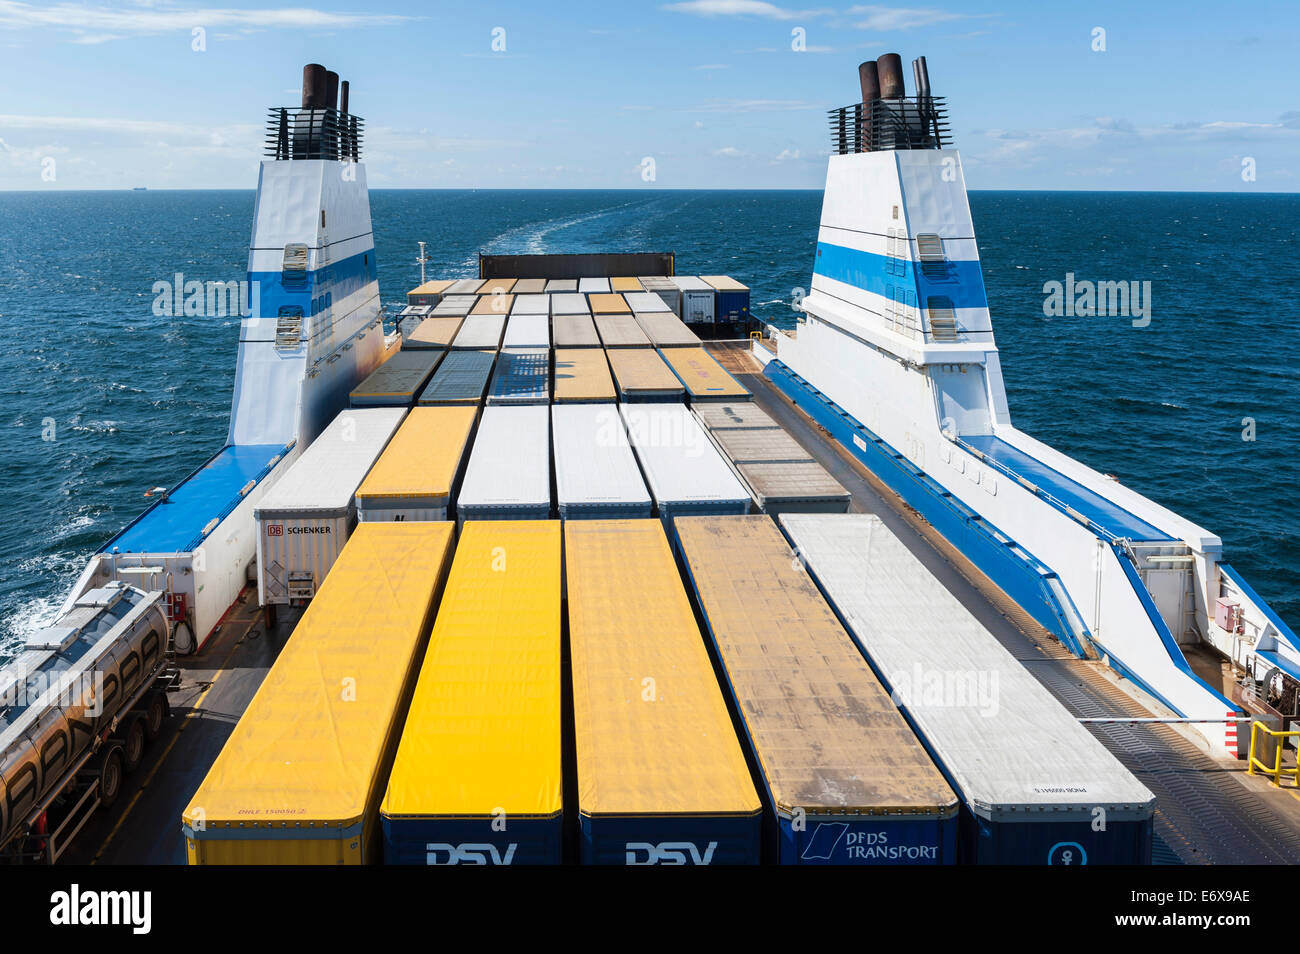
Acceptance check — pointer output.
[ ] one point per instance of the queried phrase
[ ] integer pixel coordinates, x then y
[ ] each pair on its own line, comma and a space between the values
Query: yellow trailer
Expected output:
497, 286
608, 303
582, 375
702, 376
437, 332
429, 293
477, 777
300, 779
498, 303
625, 285
417, 473
661, 776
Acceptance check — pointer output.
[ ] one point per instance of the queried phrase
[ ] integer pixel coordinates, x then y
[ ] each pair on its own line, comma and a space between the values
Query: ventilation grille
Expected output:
929, 248
288, 328
943, 319
293, 267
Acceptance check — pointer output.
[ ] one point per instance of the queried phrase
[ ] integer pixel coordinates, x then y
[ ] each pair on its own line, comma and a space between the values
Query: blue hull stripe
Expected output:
882, 275
321, 287
1106, 514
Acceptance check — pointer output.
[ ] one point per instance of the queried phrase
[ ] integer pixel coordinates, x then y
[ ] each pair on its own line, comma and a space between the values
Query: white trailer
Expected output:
596, 474
697, 304
527, 331
646, 301
509, 471
685, 472
305, 519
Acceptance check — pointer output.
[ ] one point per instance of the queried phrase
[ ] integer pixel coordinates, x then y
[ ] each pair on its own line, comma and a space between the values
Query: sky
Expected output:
713, 93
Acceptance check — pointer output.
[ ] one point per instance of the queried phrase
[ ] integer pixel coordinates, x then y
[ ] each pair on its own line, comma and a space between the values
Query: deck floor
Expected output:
1208, 810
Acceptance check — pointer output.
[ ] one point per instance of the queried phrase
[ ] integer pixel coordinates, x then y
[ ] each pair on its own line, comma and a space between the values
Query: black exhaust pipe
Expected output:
922, 77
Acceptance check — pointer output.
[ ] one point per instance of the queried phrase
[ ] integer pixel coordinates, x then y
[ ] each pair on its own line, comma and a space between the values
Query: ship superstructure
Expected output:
896, 345
314, 330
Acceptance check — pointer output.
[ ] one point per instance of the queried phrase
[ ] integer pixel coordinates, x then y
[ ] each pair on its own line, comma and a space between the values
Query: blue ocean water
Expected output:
133, 400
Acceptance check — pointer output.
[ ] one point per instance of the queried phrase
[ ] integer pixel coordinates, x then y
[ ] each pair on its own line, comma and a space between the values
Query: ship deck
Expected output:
1103, 513
1208, 810
178, 522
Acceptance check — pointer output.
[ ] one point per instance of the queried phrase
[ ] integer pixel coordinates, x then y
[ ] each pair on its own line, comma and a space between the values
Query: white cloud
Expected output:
904, 18
786, 154
730, 152
90, 23
751, 106
741, 8
135, 127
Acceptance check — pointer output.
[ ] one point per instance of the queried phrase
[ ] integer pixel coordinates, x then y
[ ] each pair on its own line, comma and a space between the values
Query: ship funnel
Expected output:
343, 97
331, 90
890, 69
869, 80
313, 86
922, 76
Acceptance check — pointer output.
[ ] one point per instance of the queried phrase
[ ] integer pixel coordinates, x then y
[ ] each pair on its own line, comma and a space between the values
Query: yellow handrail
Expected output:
1275, 769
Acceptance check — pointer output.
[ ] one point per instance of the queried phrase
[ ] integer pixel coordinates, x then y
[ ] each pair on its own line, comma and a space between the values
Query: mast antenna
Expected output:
421, 261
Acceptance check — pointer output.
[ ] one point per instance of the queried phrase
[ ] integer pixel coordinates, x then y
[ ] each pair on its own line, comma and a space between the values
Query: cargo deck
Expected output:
1207, 810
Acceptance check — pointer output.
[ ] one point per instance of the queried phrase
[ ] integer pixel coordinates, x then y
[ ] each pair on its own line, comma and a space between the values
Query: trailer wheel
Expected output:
154, 714
110, 776
183, 639
133, 745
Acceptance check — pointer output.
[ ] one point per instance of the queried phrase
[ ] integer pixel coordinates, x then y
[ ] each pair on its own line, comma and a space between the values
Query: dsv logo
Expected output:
469, 854
668, 853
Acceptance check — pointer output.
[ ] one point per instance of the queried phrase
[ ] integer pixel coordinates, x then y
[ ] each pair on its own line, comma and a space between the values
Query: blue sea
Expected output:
134, 401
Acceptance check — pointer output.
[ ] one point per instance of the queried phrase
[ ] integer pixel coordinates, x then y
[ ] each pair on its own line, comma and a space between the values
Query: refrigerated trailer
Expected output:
697, 301
685, 472
596, 474
509, 471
